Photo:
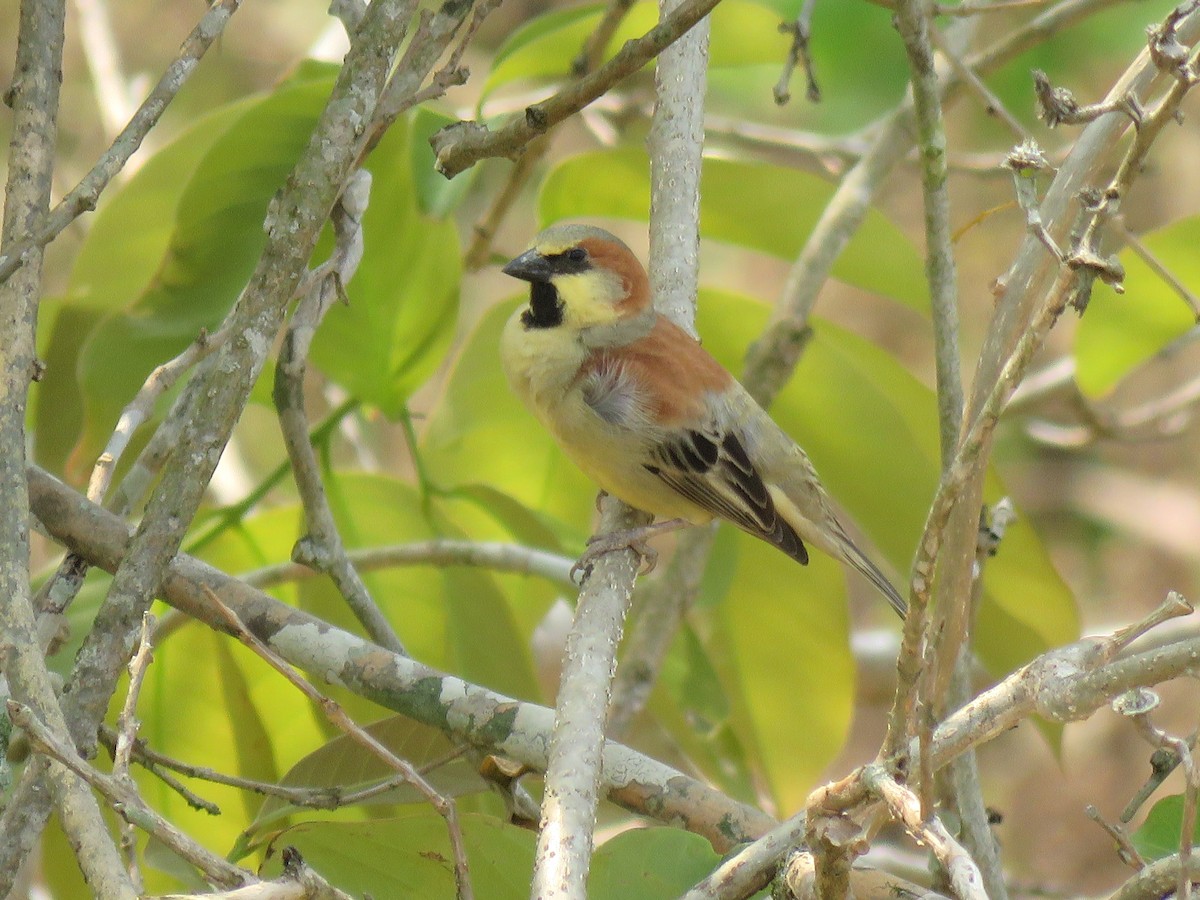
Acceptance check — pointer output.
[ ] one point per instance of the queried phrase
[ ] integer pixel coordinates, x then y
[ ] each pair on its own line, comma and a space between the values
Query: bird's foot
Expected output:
627, 539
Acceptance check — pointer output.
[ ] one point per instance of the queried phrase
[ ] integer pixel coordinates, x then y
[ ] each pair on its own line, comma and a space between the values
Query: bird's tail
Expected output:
859, 560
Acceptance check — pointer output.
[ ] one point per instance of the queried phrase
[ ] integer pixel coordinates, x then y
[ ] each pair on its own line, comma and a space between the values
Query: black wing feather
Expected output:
716, 473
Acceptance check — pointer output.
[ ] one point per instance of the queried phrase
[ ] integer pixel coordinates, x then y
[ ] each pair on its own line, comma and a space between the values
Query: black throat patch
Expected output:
545, 309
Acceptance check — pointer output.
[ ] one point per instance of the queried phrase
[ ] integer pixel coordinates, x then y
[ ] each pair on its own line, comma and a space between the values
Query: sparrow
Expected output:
648, 414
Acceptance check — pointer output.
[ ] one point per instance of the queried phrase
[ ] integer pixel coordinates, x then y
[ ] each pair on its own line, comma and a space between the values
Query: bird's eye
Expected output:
576, 254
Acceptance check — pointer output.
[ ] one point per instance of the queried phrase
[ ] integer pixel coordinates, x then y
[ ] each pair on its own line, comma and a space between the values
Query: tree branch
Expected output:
520, 731
461, 145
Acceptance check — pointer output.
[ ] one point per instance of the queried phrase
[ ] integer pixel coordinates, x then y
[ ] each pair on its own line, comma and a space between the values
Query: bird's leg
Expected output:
627, 539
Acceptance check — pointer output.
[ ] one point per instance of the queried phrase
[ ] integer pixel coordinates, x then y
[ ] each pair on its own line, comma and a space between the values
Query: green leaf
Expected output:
251, 739
784, 631
120, 255
743, 33
692, 703
649, 864
403, 300
346, 765
411, 856
847, 402
736, 199
480, 433
1160, 833
1119, 332
216, 240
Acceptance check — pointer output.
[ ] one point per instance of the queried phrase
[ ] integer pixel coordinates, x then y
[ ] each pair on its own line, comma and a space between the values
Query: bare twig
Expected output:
34, 100
83, 197
1126, 852
460, 146
434, 32
127, 728
1159, 879
801, 31
439, 552
1156, 265
161, 765
337, 716
1066, 684
992, 104
964, 875
1058, 106
322, 547
573, 768
125, 800
752, 867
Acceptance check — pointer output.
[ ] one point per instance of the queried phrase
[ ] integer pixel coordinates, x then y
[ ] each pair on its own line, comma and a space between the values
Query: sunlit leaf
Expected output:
216, 239
649, 864
1160, 834
344, 764
743, 33
411, 856
736, 198
1119, 332
403, 300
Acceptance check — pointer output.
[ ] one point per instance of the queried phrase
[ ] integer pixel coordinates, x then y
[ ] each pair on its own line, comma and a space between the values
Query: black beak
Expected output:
530, 266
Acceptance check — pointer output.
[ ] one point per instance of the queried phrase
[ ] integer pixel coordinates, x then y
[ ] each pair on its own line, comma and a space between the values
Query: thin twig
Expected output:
127, 723
83, 197
440, 552
964, 875
127, 803
158, 764
460, 146
444, 806
574, 764
1126, 852
992, 104
1156, 265
801, 31
322, 547
127, 728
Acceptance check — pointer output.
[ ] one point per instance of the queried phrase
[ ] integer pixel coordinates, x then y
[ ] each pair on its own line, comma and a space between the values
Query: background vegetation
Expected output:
740, 671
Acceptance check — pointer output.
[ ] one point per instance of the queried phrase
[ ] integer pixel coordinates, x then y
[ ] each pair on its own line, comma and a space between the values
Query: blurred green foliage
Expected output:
758, 691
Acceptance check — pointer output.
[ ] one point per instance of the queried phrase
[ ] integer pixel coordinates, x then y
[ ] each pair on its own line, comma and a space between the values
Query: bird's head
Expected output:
580, 277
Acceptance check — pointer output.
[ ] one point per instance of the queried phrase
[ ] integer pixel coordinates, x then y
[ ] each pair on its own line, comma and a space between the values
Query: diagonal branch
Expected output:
83, 197
520, 731
461, 145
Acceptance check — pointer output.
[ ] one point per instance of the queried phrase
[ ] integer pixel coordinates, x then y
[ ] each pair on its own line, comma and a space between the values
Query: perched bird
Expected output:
648, 414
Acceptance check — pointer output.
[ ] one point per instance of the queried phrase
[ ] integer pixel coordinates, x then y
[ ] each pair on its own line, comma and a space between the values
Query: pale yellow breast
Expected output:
542, 367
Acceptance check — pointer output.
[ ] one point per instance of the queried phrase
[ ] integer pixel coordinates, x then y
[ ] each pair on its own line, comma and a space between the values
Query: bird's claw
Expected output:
601, 544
